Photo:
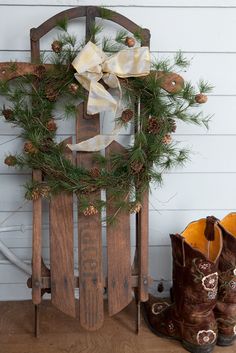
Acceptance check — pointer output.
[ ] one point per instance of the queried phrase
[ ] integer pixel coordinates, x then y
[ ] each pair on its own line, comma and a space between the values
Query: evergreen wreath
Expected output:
129, 175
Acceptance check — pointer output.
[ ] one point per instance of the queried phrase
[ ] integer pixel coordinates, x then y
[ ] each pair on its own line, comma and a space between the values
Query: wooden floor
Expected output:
60, 334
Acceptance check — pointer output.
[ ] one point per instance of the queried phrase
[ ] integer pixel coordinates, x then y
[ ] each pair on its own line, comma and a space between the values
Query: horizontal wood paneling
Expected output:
10, 274
125, 3
183, 22
195, 191
12, 193
222, 123
205, 186
162, 223
209, 154
158, 268
200, 67
14, 291
179, 191
208, 65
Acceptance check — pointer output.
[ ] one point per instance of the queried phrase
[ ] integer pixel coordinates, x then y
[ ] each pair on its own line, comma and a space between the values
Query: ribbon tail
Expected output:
113, 82
100, 100
97, 143
94, 144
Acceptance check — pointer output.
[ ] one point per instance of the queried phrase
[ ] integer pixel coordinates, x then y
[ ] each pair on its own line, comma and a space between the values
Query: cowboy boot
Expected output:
190, 319
225, 310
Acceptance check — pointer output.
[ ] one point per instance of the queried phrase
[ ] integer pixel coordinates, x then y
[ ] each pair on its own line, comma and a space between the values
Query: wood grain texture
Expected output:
207, 150
65, 335
37, 218
90, 12
169, 81
196, 195
62, 250
118, 252
190, 200
125, 3
187, 18
37, 244
9, 71
142, 249
90, 239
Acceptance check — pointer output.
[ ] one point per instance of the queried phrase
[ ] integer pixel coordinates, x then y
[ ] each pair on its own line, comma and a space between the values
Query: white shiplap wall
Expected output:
204, 30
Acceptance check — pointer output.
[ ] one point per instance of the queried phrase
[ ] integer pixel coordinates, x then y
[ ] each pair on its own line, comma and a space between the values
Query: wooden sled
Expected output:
123, 278
120, 279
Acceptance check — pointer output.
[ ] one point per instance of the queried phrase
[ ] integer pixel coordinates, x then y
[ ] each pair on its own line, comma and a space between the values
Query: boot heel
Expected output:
225, 340
198, 349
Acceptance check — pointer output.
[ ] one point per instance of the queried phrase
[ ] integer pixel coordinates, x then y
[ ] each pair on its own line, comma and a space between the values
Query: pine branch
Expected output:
138, 35
105, 13
12, 66
70, 110
181, 61
62, 24
204, 87
67, 39
108, 46
162, 65
95, 29
121, 36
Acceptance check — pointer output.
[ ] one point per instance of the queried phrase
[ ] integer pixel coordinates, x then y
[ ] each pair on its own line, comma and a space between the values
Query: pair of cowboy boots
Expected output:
204, 287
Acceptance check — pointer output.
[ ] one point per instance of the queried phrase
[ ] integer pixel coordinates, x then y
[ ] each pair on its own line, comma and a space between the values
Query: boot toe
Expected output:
225, 341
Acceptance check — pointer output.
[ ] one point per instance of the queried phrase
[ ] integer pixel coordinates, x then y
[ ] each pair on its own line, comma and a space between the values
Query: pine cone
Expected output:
33, 195
30, 148
130, 42
40, 71
167, 139
8, 114
154, 125
89, 190
127, 115
51, 125
10, 161
46, 144
91, 210
136, 167
56, 46
95, 172
172, 125
45, 191
135, 207
51, 94
73, 88
201, 98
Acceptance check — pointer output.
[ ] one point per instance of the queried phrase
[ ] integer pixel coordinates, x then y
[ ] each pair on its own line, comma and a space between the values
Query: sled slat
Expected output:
61, 250
118, 252
143, 249
90, 239
37, 214
37, 244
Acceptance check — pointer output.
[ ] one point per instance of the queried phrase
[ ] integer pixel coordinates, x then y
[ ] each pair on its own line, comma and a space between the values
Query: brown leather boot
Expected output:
225, 310
195, 280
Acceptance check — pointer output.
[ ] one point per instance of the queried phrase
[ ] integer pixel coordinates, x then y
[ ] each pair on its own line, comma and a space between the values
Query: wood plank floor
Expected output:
61, 334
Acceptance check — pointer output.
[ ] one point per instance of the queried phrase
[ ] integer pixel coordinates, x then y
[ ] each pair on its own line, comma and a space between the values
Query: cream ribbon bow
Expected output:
92, 65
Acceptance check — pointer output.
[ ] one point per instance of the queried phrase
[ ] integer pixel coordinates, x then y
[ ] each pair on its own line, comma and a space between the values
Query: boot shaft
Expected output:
225, 311
227, 263
196, 253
